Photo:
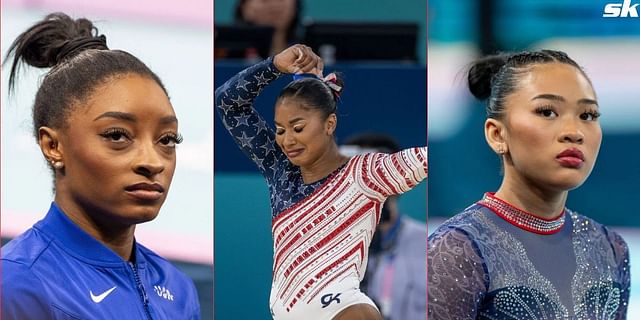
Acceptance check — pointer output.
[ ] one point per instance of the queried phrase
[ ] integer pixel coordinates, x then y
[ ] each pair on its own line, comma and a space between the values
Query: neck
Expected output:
328, 162
278, 41
529, 197
118, 238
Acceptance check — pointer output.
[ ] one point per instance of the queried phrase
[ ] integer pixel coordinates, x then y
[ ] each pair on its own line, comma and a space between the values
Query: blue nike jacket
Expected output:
55, 270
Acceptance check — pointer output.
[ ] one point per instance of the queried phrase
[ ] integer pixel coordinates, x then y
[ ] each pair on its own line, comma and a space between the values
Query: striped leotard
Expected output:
321, 231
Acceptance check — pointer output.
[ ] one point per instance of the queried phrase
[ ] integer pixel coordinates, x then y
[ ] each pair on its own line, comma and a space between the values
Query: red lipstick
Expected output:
571, 158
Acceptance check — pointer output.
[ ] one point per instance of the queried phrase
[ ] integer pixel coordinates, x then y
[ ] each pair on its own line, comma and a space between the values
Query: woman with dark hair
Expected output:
519, 253
325, 206
282, 15
105, 125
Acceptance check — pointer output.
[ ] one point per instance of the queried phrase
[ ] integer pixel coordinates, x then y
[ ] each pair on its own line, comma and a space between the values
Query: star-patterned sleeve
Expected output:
457, 279
621, 253
234, 102
391, 174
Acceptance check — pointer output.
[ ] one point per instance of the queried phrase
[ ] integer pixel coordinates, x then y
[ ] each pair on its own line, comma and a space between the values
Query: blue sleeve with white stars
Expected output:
234, 102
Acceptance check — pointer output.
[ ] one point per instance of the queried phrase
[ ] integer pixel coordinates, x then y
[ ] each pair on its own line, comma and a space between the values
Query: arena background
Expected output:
175, 40
379, 97
608, 49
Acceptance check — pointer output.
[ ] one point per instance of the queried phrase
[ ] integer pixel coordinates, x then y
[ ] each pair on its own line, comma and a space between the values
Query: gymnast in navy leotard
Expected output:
519, 253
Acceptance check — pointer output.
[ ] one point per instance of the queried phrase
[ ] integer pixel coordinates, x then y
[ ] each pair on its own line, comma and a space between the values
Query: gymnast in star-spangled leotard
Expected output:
325, 206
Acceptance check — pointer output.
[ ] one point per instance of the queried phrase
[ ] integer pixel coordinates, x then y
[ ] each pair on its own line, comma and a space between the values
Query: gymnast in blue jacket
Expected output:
105, 125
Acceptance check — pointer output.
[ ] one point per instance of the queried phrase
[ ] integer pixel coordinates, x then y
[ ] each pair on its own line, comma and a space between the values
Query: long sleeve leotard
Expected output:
322, 230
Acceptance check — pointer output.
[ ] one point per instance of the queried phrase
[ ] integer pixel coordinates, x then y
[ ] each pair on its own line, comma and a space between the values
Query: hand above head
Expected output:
298, 59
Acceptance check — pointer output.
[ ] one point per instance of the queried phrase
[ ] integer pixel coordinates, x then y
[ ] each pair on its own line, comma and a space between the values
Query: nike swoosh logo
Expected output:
100, 297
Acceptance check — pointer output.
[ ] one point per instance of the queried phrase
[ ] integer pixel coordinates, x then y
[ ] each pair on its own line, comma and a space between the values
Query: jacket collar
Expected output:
78, 242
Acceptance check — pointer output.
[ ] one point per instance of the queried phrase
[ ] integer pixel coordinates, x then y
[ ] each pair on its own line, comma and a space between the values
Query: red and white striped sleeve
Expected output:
391, 174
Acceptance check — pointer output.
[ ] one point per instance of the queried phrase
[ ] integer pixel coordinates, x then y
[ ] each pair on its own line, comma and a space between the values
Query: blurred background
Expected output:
380, 48
607, 48
175, 41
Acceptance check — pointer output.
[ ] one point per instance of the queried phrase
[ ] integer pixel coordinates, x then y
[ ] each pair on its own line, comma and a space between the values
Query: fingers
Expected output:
307, 60
320, 68
299, 54
299, 59
286, 61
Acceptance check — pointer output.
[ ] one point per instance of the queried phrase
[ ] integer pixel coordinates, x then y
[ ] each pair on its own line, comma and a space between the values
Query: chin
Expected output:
568, 182
295, 161
140, 214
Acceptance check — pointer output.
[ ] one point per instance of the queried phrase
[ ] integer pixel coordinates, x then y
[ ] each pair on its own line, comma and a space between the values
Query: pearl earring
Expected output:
57, 164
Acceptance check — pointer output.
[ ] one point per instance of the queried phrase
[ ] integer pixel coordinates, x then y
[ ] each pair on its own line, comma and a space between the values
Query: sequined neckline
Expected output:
520, 218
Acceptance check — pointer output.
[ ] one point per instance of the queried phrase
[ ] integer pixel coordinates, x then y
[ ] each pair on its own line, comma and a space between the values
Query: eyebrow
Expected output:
117, 115
558, 98
292, 121
168, 120
131, 118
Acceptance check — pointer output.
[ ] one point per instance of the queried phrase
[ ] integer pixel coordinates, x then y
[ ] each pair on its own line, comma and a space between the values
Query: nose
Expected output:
571, 133
288, 140
148, 161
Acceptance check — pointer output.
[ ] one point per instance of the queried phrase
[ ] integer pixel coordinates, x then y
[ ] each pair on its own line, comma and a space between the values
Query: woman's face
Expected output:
273, 13
552, 131
119, 152
302, 134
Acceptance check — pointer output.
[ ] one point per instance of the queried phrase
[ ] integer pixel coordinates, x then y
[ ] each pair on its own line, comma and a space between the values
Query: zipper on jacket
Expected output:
143, 294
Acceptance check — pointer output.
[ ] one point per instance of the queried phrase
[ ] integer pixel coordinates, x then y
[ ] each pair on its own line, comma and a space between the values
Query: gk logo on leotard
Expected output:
328, 298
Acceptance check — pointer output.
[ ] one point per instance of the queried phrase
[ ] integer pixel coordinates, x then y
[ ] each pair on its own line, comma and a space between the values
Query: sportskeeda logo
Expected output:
620, 10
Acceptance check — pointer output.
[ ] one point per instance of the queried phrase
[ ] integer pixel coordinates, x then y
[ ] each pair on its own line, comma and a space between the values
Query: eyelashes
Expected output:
590, 116
549, 111
116, 135
171, 139
280, 131
546, 111
122, 136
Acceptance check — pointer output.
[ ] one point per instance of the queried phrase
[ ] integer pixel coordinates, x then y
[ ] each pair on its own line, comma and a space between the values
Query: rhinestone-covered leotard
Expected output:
481, 266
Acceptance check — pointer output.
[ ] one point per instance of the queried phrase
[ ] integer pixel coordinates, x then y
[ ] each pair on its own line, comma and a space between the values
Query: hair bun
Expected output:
335, 82
482, 72
77, 45
41, 45
55, 38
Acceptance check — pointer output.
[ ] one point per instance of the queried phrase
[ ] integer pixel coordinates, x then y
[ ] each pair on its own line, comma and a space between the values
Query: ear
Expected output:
49, 141
331, 123
495, 133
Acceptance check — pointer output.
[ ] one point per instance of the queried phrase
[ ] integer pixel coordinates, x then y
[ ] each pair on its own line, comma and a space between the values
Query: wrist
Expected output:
272, 66
275, 61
